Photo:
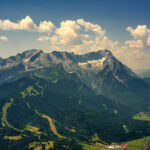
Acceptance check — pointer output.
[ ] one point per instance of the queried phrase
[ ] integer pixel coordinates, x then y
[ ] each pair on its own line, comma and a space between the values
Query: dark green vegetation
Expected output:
76, 116
50, 108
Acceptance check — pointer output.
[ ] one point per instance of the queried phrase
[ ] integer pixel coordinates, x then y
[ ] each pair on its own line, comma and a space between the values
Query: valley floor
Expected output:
130, 145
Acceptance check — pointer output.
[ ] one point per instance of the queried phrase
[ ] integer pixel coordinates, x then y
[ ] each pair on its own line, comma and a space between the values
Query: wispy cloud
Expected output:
3, 38
43, 38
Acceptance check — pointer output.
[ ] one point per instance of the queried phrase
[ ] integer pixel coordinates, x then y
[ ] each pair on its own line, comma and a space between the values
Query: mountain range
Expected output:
91, 68
61, 100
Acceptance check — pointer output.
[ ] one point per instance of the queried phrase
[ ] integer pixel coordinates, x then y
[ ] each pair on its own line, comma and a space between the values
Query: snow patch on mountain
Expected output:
94, 64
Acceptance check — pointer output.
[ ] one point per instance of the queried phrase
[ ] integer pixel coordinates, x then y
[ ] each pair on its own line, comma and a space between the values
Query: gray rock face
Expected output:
96, 69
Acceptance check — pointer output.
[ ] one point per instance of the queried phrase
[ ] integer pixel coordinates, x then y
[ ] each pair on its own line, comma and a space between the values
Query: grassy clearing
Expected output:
96, 146
137, 144
131, 145
105, 107
38, 84
33, 144
55, 81
115, 111
142, 116
4, 116
18, 137
39, 145
71, 130
41, 87
28, 105
95, 137
38, 148
33, 129
29, 91
125, 128
52, 126
48, 145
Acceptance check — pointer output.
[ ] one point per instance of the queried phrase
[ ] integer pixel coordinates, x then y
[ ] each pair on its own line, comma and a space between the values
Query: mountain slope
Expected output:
99, 71
86, 66
48, 107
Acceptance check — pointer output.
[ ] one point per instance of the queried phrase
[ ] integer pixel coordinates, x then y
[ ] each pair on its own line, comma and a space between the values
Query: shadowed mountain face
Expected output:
100, 71
49, 105
62, 99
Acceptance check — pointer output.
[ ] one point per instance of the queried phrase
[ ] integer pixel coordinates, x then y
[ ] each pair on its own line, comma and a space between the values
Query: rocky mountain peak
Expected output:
91, 68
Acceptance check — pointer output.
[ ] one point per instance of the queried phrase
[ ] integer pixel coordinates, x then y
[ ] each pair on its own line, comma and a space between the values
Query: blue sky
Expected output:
113, 16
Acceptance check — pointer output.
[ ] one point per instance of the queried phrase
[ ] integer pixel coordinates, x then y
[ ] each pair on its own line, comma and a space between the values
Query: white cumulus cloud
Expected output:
134, 43
91, 27
68, 33
26, 24
135, 53
141, 37
141, 31
82, 36
46, 26
148, 41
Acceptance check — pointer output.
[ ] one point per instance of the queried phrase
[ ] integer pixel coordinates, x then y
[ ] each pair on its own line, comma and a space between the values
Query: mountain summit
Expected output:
99, 70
